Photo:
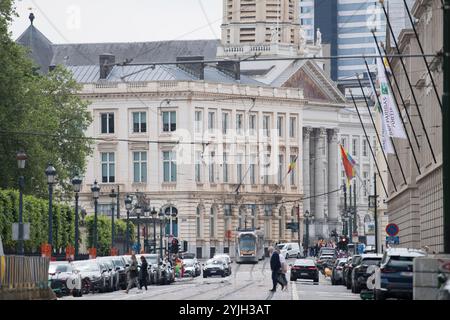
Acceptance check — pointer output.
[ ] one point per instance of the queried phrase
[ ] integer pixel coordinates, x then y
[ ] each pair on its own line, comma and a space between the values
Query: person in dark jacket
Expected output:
275, 266
143, 273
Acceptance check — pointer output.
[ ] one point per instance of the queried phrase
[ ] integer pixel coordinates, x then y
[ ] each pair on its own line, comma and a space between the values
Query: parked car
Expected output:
290, 249
326, 257
117, 268
348, 268
188, 255
113, 275
215, 267
304, 269
329, 251
191, 268
337, 271
360, 273
394, 277
93, 278
227, 260
60, 273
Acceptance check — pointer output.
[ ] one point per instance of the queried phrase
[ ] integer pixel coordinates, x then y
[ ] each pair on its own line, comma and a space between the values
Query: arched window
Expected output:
172, 228
282, 222
212, 222
198, 221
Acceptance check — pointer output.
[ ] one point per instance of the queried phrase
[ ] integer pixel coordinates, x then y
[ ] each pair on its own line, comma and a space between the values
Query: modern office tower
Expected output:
307, 18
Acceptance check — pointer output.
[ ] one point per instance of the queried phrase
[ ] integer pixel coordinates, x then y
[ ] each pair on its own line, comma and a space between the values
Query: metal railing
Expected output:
18, 272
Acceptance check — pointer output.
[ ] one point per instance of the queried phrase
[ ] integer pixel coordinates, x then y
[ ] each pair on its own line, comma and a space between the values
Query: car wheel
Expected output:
287, 256
293, 278
223, 275
298, 255
333, 283
348, 284
205, 276
316, 281
353, 288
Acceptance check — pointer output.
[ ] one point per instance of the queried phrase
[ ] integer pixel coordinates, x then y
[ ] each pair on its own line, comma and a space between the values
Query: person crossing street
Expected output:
275, 266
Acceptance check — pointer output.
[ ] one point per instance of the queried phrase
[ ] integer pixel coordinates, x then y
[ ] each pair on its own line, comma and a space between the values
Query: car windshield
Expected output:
214, 262
281, 246
53, 268
118, 262
85, 266
371, 261
188, 256
188, 262
153, 259
400, 261
356, 260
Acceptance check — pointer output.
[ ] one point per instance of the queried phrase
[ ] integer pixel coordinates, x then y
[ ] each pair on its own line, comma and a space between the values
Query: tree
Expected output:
40, 114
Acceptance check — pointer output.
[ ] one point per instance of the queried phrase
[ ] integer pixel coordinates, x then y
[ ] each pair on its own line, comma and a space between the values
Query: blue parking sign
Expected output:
137, 247
393, 240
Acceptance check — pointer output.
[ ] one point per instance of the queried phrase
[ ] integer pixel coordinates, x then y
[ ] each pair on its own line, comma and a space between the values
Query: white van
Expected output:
290, 249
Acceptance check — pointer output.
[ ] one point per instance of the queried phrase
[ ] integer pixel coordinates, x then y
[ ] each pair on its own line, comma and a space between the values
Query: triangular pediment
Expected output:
315, 83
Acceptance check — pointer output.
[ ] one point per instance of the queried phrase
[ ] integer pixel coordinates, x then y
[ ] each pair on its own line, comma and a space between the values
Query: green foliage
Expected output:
40, 114
104, 233
35, 211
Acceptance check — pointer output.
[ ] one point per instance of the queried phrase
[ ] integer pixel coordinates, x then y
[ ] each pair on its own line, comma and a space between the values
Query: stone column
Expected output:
319, 211
306, 168
333, 183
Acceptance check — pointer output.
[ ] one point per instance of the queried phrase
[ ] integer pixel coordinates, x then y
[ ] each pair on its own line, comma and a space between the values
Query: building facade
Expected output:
417, 205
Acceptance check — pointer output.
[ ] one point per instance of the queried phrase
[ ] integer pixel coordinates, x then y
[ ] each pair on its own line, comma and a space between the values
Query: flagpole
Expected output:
421, 50
376, 132
397, 105
379, 103
408, 80
370, 145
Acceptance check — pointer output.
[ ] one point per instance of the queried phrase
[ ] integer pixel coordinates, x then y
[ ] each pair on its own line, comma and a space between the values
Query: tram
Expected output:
249, 245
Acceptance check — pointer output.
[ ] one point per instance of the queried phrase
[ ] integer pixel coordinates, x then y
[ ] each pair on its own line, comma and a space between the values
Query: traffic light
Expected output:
175, 245
342, 244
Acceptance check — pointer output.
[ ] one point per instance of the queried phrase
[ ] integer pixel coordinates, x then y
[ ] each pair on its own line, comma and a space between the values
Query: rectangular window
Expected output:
212, 168
239, 123
344, 143
169, 121
108, 167
364, 146
252, 124
280, 169
140, 166
225, 123
227, 210
355, 147
225, 167
169, 166
139, 122
198, 166
211, 120
266, 123
239, 173
107, 122
252, 169
365, 181
292, 125
198, 122
280, 126
293, 170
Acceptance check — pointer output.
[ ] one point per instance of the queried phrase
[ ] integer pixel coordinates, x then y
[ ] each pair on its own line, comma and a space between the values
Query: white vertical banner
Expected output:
385, 139
390, 114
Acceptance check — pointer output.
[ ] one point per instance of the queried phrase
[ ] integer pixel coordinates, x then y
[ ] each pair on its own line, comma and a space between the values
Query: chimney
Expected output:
106, 62
232, 68
195, 69
51, 68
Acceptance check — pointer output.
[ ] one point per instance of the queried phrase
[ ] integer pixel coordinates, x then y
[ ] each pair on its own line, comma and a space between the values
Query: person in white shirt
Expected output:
283, 269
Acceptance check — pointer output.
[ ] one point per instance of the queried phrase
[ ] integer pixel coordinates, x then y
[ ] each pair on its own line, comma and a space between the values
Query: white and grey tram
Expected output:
249, 246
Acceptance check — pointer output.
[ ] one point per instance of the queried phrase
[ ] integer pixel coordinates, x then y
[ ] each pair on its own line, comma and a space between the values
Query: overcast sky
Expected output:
74, 21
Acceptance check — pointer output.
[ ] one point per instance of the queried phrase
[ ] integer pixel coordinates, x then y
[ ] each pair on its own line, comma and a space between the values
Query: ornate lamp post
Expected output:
154, 214
146, 215
95, 194
138, 210
161, 221
21, 160
50, 172
128, 207
113, 196
76, 183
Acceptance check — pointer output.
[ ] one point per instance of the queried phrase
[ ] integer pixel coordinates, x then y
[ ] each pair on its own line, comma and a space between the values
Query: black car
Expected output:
92, 276
359, 275
215, 267
348, 269
304, 269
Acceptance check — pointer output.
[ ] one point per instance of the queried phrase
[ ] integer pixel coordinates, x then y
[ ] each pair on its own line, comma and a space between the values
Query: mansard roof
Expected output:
40, 48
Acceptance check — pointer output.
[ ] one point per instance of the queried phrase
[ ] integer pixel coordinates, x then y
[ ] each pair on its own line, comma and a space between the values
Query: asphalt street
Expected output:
247, 282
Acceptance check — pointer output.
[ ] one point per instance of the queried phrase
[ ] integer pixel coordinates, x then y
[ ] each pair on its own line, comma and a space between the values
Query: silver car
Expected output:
337, 275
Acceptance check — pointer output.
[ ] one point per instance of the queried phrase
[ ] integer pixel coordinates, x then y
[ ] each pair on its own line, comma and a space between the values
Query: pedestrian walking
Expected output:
275, 266
282, 280
133, 274
143, 273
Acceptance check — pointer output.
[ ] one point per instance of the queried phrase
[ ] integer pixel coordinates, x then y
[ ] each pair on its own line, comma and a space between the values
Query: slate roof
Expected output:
40, 48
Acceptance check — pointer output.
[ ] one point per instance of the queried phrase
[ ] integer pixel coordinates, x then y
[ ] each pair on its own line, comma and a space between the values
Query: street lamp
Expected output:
161, 221
128, 207
138, 210
308, 217
154, 214
50, 172
76, 182
146, 215
95, 194
113, 196
21, 160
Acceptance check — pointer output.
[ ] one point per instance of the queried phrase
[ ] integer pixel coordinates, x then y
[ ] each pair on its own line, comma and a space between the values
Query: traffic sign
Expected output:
137, 247
392, 240
392, 229
25, 231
